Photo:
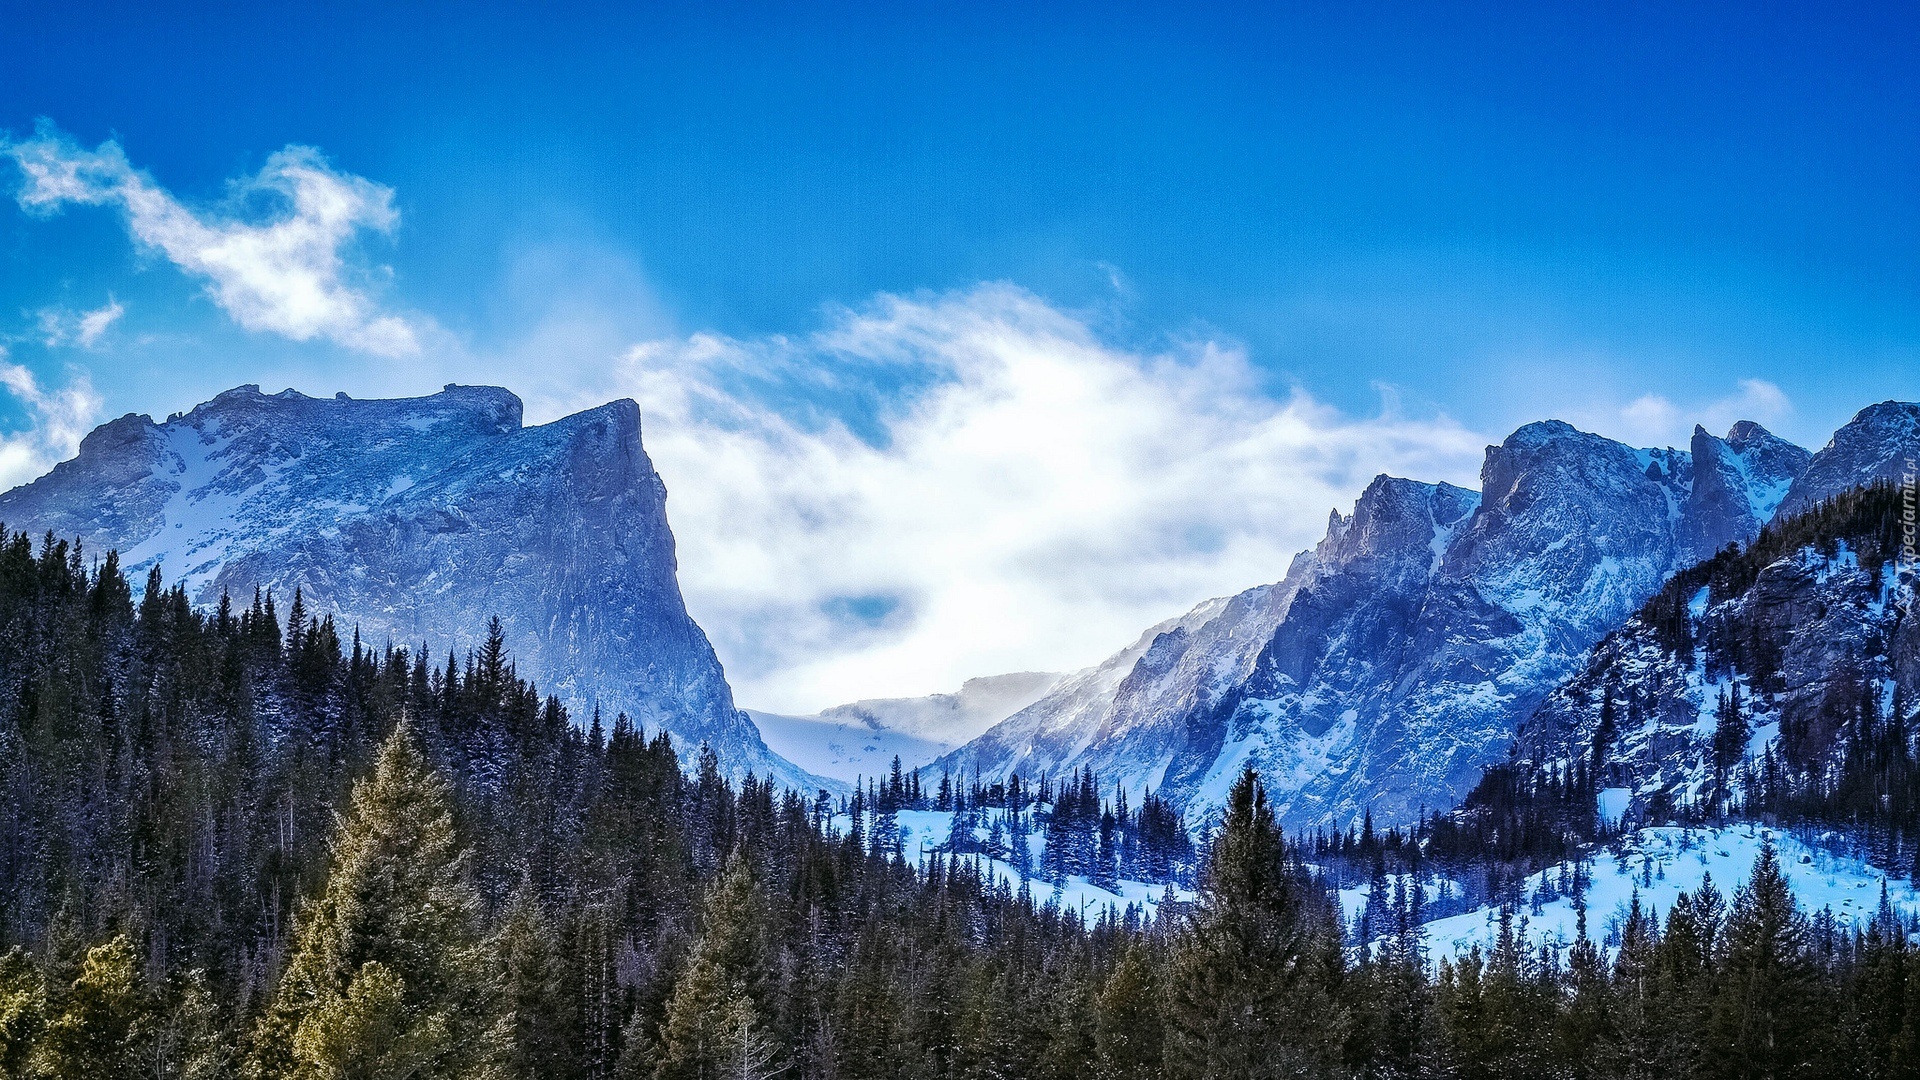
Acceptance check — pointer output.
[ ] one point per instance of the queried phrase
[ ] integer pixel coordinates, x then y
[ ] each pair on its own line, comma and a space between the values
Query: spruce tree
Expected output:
1759, 1022
387, 976
542, 1038
103, 1025
1127, 1023
713, 1019
1252, 992
23, 1010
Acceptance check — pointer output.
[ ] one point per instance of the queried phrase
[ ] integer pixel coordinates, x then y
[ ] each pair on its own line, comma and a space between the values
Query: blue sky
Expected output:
1428, 220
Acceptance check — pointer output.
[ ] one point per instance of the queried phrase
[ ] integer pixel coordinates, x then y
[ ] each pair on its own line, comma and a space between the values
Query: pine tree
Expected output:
1252, 976
1759, 1026
1399, 993
1730, 733
713, 1020
23, 1010
1127, 1027
193, 1039
541, 1035
1903, 1056
1636, 1051
387, 976
103, 1025
1585, 1025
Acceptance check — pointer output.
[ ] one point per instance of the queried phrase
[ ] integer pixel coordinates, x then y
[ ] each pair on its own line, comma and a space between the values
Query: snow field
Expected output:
1661, 863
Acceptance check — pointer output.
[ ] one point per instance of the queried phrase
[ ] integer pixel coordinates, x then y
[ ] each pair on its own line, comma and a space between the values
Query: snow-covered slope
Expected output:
1398, 657
1107, 715
1659, 864
862, 738
925, 832
418, 519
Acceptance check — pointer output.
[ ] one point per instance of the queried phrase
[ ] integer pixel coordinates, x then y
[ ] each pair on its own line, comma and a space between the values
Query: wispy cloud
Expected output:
284, 271
63, 326
57, 419
1656, 419
1037, 499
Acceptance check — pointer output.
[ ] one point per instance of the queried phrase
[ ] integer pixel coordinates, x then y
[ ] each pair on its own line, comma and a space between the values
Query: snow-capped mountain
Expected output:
1809, 626
862, 738
1738, 483
1398, 657
1881, 442
416, 520
1181, 666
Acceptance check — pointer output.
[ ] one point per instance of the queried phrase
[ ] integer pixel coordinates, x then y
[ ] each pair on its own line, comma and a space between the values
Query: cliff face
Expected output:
1738, 483
417, 520
1881, 442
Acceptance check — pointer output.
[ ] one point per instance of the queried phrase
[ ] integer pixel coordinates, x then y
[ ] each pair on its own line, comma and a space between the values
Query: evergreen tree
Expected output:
1253, 976
1128, 1020
1760, 1016
713, 1021
103, 1025
1395, 1025
1730, 733
23, 1010
542, 1039
387, 975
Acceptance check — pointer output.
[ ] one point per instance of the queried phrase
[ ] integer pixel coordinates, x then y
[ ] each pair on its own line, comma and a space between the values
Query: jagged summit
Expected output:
417, 519
1399, 656
1738, 484
1780, 659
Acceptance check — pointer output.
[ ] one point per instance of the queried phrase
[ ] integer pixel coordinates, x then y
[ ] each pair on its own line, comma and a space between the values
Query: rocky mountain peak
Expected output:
1738, 482
1881, 442
1399, 656
417, 519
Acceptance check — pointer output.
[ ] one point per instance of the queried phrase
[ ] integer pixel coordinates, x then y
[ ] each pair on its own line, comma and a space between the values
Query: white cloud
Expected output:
60, 326
94, 323
1041, 499
283, 271
57, 419
1654, 419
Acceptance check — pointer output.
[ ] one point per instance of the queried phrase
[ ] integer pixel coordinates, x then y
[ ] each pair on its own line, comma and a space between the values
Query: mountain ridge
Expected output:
862, 738
1398, 657
417, 518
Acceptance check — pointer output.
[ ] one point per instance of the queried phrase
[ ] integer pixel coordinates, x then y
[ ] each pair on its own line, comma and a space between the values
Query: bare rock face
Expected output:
416, 520
1738, 483
1398, 658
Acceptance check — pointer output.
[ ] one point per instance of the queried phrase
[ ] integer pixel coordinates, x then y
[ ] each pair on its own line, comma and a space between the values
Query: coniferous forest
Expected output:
241, 844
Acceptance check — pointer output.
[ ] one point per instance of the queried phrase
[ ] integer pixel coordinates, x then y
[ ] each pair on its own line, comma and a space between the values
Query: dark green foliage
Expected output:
1256, 976
1764, 1020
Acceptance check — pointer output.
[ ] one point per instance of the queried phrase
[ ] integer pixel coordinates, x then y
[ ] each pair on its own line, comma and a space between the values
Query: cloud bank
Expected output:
283, 271
1023, 494
1654, 418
